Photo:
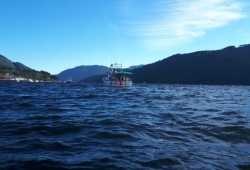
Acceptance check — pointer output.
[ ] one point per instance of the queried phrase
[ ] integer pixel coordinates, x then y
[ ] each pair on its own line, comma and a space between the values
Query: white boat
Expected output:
68, 80
117, 77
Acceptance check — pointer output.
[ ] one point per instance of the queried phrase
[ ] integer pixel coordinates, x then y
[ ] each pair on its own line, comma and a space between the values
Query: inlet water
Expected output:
90, 126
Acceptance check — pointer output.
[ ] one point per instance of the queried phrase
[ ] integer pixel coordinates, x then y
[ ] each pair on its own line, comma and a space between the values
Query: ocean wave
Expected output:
81, 126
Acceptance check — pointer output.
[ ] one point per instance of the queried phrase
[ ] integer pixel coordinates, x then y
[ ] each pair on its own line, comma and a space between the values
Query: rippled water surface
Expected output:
88, 126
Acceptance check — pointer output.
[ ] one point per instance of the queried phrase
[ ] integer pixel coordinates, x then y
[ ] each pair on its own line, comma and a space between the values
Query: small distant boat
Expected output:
68, 80
117, 77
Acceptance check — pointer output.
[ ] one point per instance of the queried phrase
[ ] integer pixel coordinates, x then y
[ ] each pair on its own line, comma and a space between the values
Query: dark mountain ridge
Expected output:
20, 66
5, 63
134, 67
228, 66
9, 69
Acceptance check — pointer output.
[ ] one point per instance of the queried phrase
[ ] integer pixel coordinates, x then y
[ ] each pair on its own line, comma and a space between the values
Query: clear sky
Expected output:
54, 35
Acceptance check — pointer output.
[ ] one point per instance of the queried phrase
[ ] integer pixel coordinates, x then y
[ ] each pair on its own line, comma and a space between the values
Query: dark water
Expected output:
77, 126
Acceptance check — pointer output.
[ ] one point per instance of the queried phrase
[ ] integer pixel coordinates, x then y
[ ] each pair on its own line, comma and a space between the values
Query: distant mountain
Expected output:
134, 67
82, 72
16, 69
94, 79
228, 66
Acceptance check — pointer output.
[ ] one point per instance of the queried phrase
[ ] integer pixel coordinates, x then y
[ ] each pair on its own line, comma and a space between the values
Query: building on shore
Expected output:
9, 77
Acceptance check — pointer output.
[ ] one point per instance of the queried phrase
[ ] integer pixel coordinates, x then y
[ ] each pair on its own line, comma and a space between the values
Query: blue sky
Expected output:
54, 35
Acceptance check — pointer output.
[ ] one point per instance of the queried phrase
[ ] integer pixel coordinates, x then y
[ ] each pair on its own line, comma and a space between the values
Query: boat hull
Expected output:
118, 83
